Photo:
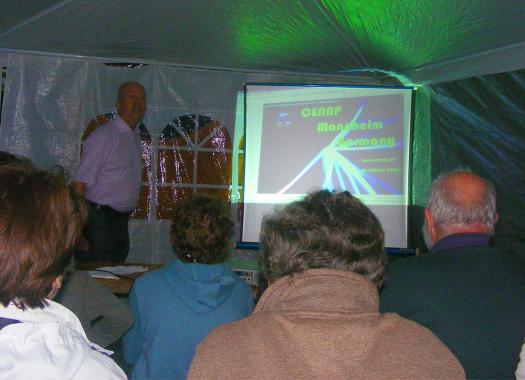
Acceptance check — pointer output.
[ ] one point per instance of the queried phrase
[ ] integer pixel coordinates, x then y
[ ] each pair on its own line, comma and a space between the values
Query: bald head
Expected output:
131, 103
465, 190
460, 202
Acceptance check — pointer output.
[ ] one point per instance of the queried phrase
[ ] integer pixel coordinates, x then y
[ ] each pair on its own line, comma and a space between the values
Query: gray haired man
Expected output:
469, 293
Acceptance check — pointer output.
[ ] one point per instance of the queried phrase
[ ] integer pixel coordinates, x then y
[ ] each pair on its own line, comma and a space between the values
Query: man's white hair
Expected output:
447, 208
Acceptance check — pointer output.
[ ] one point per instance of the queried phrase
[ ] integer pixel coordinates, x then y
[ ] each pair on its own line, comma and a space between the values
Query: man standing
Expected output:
467, 292
109, 176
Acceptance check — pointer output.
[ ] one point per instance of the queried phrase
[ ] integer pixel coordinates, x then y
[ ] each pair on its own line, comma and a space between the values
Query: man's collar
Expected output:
461, 240
124, 127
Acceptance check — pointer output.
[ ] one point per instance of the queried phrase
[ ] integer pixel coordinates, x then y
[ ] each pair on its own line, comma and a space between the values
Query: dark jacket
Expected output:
470, 295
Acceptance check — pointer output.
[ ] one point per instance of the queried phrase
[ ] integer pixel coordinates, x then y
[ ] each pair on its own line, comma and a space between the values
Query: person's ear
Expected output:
431, 225
428, 217
57, 284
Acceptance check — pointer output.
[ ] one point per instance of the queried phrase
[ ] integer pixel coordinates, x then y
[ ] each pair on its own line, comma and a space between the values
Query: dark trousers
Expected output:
106, 232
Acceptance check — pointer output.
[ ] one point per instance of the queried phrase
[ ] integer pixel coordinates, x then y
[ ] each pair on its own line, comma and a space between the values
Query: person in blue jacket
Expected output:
177, 306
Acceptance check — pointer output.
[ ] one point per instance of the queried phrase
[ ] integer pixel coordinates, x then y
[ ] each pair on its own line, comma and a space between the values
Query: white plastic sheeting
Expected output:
48, 102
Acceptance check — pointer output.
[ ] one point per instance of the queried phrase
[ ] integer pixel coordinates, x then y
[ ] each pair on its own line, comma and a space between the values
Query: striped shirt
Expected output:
110, 165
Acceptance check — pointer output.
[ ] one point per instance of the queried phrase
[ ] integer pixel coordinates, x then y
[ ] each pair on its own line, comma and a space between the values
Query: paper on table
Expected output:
114, 272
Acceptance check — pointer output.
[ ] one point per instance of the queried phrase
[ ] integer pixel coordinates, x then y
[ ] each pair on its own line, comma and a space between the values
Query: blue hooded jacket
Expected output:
175, 308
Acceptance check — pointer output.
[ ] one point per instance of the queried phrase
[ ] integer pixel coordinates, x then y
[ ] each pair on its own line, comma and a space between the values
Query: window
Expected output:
194, 156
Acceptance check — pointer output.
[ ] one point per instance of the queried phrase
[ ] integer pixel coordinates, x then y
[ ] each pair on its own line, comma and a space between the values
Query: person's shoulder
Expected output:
235, 330
99, 366
80, 277
404, 281
152, 282
225, 347
73, 356
510, 254
400, 327
76, 286
237, 335
416, 337
419, 345
408, 264
149, 278
104, 131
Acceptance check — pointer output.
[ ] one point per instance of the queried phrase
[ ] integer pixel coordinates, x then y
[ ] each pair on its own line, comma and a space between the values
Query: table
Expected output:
122, 285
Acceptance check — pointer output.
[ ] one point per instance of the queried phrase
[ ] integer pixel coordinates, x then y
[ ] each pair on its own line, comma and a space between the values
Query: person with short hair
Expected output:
39, 225
104, 316
177, 306
7, 158
109, 177
319, 318
464, 289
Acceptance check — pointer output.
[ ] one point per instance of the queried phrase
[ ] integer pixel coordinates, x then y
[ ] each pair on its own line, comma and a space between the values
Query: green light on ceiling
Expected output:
290, 32
403, 33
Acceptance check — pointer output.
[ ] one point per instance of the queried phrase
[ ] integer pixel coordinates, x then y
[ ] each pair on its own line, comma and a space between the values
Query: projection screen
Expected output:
342, 138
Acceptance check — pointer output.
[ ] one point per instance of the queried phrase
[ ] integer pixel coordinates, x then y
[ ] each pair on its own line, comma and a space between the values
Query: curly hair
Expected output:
324, 230
200, 228
40, 223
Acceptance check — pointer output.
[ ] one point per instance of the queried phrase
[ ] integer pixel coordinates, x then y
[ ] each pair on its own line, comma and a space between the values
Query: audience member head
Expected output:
200, 229
10, 159
131, 103
7, 158
324, 230
459, 202
40, 222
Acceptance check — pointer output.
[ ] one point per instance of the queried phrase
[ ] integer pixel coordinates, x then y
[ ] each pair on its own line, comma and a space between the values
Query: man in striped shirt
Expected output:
109, 176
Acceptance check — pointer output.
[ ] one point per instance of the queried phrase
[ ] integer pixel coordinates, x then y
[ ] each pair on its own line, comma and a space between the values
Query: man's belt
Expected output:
107, 209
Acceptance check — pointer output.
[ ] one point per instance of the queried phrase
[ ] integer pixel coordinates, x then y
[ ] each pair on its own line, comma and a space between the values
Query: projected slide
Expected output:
303, 138
350, 146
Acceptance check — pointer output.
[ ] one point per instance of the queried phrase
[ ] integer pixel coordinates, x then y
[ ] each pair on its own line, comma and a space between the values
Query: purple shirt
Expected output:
110, 165
461, 240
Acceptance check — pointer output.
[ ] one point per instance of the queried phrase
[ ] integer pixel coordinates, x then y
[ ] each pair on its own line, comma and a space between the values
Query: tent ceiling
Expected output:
426, 40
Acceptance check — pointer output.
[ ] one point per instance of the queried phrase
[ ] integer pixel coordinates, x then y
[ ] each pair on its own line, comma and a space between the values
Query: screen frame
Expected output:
409, 140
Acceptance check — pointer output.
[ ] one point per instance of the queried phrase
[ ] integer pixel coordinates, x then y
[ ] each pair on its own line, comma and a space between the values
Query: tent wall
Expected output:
475, 122
49, 102
480, 123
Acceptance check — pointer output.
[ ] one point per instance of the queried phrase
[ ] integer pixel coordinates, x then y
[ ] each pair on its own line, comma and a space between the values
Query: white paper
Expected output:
116, 271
